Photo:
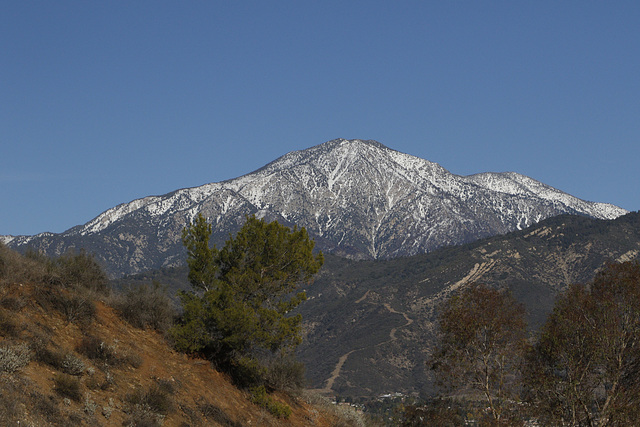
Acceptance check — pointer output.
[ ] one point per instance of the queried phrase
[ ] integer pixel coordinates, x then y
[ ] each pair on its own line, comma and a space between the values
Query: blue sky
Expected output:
105, 102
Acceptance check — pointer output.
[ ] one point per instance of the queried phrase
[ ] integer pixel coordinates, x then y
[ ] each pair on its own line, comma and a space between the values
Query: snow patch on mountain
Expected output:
6, 239
356, 175
104, 220
516, 184
355, 197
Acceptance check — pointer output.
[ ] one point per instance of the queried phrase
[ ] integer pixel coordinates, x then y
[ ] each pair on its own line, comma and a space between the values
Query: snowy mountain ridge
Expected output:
356, 198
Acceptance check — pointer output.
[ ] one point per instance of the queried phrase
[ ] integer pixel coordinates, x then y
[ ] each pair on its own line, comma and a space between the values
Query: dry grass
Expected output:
104, 372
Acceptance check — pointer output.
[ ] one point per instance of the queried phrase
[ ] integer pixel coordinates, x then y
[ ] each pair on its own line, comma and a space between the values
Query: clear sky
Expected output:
105, 102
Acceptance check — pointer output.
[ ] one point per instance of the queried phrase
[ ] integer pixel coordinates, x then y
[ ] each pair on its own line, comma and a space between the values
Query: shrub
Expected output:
108, 409
247, 371
213, 413
8, 327
13, 303
132, 359
93, 382
46, 407
89, 405
76, 308
143, 417
73, 365
12, 391
97, 349
81, 270
43, 354
151, 405
16, 268
158, 399
287, 374
76, 419
260, 397
167, 386
67, 386
146, 306
97, 382
14, 356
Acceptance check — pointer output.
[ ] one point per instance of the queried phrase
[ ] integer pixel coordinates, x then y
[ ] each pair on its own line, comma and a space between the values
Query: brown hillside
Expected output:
63, 362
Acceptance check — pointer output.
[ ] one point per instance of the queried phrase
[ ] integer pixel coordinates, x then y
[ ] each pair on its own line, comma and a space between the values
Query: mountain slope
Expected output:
375, 320
369, 324
356, 198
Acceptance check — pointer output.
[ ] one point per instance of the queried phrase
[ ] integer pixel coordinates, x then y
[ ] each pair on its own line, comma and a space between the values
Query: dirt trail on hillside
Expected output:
478, 270
336, 372
362, 298
327, 389
392, 334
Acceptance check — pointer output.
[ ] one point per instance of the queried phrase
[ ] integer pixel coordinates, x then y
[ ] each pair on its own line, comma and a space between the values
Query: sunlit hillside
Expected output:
67, 357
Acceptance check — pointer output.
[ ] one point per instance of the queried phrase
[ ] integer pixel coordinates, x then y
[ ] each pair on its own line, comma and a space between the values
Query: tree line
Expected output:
581, 369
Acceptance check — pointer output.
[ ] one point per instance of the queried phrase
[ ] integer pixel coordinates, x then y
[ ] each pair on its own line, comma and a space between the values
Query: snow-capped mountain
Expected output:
356, 198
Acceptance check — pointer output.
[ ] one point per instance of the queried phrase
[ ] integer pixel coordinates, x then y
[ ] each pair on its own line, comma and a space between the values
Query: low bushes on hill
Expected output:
14, 356
67, 386
146, 307
80, 270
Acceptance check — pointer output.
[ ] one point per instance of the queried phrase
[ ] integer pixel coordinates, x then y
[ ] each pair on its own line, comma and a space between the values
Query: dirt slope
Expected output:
99, 370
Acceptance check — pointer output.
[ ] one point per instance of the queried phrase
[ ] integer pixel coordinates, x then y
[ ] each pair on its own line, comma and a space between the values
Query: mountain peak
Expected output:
356, 198
342, 141
339, 147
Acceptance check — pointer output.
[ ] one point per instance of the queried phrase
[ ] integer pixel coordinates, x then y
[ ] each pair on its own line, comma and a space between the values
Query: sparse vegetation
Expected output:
260, 397
67, 386
341, 415
146, 306
57, 369
593, 334
550, 255
96, 348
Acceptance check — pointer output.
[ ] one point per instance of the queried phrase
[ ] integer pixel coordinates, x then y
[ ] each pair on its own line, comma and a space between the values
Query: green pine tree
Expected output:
245, 292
